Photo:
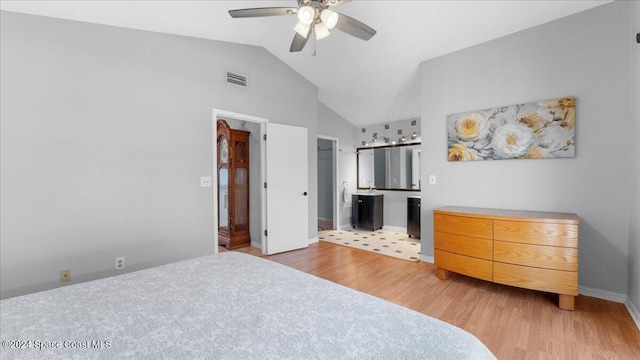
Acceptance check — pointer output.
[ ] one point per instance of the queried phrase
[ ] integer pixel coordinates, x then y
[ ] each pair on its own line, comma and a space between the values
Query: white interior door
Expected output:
287, 188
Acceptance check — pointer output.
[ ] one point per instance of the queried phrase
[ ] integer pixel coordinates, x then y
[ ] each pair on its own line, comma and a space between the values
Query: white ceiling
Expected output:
366, 82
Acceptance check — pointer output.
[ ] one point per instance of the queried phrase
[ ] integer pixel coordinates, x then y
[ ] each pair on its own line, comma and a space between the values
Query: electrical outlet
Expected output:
432, 180
205, 181
120, 263
65, 275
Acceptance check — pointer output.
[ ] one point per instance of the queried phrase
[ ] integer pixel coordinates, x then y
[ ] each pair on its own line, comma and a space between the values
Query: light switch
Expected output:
205, 181
432, 179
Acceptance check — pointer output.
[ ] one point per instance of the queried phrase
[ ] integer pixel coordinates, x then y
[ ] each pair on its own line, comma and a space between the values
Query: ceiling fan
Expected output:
314, 16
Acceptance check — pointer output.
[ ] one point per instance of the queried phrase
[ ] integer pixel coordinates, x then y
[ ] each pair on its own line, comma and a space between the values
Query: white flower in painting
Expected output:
556, 138
500, 119
471, 126
512, 140
506, 114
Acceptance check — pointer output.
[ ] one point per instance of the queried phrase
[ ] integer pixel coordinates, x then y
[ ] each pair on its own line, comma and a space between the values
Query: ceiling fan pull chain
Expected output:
313, 53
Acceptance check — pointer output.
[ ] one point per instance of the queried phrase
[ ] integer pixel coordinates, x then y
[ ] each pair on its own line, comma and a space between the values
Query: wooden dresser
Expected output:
527, 249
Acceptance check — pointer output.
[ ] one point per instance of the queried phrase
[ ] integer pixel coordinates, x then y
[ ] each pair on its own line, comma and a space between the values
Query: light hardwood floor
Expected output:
513, 323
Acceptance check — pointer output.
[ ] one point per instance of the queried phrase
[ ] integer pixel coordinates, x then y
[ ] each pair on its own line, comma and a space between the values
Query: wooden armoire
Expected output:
233, 186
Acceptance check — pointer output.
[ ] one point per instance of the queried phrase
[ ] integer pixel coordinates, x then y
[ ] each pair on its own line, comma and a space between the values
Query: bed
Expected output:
258, 309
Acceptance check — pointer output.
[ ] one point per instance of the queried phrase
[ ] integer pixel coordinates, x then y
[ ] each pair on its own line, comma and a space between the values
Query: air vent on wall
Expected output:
236, 79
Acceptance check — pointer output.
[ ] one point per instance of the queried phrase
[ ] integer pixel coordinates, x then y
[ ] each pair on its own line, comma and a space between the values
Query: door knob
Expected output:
304, 193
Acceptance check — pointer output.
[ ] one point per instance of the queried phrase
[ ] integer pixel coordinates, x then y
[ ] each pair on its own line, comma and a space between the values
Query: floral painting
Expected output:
536, 130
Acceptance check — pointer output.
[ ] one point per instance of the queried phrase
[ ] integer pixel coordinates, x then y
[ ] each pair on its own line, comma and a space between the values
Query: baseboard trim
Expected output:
344, 227
313, 240
633, 311
427, 259
256, 245
394, 228
602, 294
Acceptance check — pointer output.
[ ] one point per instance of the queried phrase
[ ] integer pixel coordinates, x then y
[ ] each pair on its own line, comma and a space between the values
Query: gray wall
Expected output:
333, 125
585, 55
105, 133
634, 134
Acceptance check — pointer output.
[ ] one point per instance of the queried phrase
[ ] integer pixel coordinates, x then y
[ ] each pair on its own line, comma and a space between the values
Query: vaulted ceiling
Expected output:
366, 82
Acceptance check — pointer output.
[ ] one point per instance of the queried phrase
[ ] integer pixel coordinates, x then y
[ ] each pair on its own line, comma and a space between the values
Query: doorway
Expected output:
254, 176
327, 183
274, 154
257, 215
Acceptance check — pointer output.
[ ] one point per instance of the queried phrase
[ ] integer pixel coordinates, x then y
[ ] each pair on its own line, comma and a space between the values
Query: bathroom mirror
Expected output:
392, 167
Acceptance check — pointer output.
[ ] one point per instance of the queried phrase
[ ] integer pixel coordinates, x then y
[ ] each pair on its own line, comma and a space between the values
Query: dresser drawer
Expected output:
461, 225
555, 281
465, 265
549, 257
539, 233
464, 245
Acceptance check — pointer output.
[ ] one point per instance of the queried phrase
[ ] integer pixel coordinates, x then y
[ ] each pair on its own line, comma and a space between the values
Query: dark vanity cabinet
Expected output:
413, 216
366, 212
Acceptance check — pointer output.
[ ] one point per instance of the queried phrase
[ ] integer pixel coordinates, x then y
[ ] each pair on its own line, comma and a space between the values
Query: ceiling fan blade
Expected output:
354, 27
258, 12
299, 41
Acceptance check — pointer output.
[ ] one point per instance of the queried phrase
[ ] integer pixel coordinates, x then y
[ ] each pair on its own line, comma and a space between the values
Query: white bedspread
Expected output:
225, 306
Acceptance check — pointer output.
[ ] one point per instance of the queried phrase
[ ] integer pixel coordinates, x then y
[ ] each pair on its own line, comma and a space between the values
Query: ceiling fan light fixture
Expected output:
306, 14
321, 31
302, 29
329, 18
311, 13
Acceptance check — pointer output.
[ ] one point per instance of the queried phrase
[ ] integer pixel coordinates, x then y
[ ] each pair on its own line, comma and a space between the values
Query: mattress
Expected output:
224, 306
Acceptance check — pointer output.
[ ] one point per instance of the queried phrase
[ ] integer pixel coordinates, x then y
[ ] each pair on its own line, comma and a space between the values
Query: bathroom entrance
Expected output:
327, 189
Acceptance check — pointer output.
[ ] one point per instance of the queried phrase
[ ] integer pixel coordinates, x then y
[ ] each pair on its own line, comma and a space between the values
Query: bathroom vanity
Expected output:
367, 210
413, 216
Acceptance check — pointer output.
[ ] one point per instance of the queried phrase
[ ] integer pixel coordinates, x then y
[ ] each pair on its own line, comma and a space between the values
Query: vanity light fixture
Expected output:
386, 140
375, 139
